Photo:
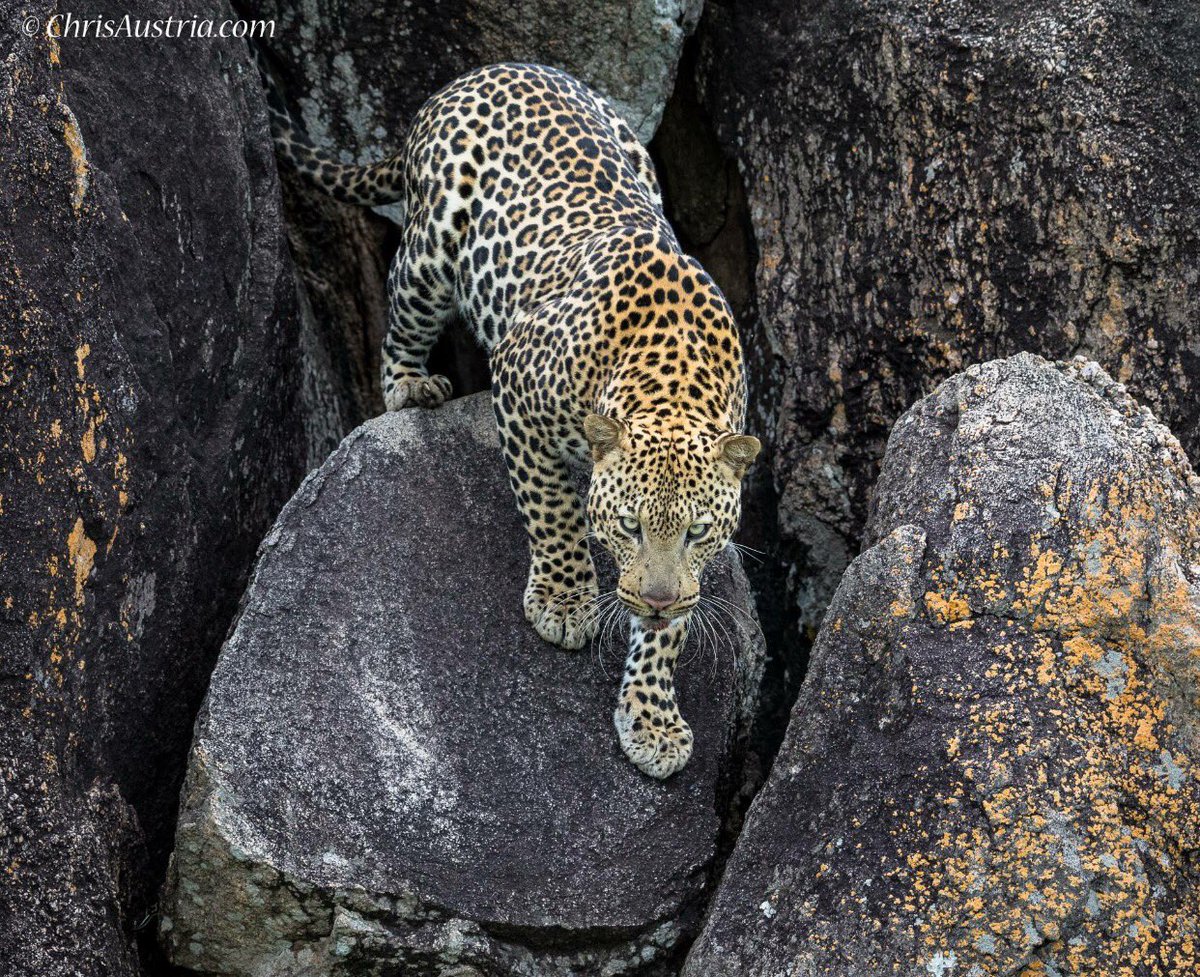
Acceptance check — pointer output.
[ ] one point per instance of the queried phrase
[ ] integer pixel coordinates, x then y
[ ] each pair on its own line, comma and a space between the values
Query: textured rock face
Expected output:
991, 767
360, 71
393, 774
148, 437
935, 185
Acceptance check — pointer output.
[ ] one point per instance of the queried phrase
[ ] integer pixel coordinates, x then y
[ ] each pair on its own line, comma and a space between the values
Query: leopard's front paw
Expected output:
658, 742
415, 391
563, 616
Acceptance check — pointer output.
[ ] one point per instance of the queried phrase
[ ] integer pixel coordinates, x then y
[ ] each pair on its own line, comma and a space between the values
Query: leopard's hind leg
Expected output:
420, 303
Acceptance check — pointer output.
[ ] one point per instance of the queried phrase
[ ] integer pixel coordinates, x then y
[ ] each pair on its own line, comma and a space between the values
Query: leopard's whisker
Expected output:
702, 638
567, 595
747, 549
599, 617
613, 631
699, 644
592, 609
587, 614
610, 610
731, 608
719, 623
601, 608
742, 553
602, 616
713, 643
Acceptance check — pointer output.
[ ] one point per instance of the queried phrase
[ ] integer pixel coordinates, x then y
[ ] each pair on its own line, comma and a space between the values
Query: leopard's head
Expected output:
664, 499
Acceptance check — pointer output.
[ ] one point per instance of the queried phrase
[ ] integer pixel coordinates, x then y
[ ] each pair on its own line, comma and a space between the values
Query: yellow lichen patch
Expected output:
947, 608
88, 442
1047, 671
992, 586
82, 553
1071, 758
79, 161
1040, 581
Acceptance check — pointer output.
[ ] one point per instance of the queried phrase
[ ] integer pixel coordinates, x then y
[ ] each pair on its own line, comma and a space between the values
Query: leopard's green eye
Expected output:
698, 530
630, 525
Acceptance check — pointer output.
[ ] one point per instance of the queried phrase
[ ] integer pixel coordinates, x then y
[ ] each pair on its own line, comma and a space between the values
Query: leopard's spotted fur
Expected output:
533, 213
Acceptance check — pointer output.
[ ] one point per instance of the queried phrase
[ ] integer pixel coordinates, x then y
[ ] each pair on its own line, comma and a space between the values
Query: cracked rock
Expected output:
359, 71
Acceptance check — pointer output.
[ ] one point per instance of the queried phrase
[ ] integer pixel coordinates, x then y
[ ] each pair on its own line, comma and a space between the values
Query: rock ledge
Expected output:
381, 785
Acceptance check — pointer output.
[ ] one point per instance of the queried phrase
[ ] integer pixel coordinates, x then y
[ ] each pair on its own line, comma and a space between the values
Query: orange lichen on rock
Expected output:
1094, 634
1003, 780
82, 553
79, 160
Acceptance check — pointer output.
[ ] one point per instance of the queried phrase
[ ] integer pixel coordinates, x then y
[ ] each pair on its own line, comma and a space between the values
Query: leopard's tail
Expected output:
368, 186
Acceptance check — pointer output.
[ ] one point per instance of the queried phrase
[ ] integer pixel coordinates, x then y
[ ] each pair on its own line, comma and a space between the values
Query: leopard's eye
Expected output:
698, 530
630, 525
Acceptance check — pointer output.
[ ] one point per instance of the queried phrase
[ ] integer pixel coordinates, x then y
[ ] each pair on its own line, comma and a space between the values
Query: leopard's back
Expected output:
512, 170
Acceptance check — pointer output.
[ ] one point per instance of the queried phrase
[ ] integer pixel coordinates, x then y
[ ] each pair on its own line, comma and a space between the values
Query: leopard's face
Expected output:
664, 504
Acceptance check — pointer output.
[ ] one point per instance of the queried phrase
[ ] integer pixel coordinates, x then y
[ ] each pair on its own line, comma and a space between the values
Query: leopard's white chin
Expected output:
655, 622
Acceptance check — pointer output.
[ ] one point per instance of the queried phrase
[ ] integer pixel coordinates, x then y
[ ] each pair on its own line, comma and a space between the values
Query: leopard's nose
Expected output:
660, 600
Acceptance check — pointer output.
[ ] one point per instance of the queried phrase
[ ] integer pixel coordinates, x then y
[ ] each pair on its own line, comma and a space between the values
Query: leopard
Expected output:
532, 215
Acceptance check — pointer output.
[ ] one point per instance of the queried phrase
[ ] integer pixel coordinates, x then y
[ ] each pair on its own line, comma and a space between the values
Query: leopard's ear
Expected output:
738, 451
603, 434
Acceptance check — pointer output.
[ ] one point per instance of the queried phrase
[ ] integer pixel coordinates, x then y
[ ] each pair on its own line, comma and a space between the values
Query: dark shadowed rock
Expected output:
148, 434
393, 774
938, 184
991, 769
359, 71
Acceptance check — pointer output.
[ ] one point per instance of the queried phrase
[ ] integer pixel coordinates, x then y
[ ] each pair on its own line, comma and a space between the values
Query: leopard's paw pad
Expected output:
656, 750
402, 392
564, 618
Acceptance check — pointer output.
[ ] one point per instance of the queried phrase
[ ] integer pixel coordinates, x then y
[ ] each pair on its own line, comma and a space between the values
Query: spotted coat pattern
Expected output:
533, 215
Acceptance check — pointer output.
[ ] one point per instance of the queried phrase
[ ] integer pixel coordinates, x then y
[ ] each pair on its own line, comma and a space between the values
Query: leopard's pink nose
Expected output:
660, 599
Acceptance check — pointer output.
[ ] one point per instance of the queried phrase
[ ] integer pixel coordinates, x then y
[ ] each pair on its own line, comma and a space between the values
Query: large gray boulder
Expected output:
992, 766
150, 430
938, 184
394, 774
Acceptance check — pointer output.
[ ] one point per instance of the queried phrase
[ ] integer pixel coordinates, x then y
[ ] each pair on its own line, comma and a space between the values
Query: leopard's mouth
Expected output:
658, 620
